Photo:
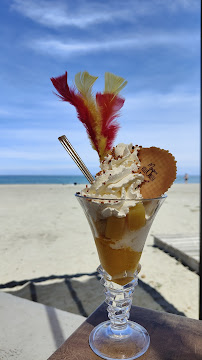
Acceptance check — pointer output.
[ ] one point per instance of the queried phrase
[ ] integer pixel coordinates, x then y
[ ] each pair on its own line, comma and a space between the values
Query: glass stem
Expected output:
119, 300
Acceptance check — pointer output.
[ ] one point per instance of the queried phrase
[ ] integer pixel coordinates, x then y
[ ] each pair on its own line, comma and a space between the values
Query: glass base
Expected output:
129, 343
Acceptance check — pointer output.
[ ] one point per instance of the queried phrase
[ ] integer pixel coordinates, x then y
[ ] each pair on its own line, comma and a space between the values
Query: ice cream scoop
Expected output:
118, 179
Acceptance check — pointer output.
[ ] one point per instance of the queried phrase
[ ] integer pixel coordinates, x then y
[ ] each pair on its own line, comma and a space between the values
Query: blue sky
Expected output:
155, 45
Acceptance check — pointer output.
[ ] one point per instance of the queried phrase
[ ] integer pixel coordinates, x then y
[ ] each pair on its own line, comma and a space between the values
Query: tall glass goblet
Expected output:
120, 241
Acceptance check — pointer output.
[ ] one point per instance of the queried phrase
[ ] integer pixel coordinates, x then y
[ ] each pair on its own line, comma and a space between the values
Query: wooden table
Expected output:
172, 337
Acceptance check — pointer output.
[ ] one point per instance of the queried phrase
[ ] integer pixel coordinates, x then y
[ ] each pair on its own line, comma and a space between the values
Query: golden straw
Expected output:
72, 152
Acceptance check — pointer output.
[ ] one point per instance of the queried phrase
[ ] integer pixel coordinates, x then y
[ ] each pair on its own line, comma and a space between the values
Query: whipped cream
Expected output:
117, 182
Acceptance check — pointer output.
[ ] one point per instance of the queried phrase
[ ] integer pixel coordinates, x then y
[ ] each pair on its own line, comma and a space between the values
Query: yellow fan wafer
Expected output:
159, 169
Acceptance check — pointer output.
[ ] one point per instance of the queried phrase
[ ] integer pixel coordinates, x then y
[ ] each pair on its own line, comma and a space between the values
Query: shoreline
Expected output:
83, 184
69, 180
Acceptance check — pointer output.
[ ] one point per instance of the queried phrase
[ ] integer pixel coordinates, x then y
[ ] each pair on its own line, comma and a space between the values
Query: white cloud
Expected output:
187, 5
39, 109
42, 145
163, 116
46, 168
14, 112
177, 40
28, 155
172, 99
59, 13
41, 135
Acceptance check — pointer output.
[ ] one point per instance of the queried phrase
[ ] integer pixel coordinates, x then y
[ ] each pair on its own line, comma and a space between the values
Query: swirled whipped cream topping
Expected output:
117, 181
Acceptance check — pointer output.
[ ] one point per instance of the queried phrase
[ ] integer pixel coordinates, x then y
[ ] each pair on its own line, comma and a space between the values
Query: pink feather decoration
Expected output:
83, 113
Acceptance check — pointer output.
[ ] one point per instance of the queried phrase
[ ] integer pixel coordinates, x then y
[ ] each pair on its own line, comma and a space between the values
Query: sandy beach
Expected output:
44, 232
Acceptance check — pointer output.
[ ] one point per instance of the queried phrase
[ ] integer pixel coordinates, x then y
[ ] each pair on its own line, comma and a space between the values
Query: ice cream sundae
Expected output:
119, 218
120, 205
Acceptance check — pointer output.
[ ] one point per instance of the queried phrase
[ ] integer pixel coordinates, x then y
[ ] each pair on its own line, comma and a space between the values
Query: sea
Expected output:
69, 179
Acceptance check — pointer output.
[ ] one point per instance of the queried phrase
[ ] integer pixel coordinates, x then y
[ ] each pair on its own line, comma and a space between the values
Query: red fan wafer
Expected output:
159, 169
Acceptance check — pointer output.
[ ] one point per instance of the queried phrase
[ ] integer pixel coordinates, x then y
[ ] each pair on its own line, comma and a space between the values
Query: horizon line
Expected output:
190, 174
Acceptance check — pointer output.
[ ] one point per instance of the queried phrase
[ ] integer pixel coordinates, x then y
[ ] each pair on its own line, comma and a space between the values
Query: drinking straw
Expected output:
72, 152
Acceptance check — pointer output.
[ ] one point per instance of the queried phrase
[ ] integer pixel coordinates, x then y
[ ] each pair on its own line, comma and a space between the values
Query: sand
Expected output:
44, 232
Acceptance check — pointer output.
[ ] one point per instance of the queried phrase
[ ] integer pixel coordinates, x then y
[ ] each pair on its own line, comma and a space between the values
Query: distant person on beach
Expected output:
186, 178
